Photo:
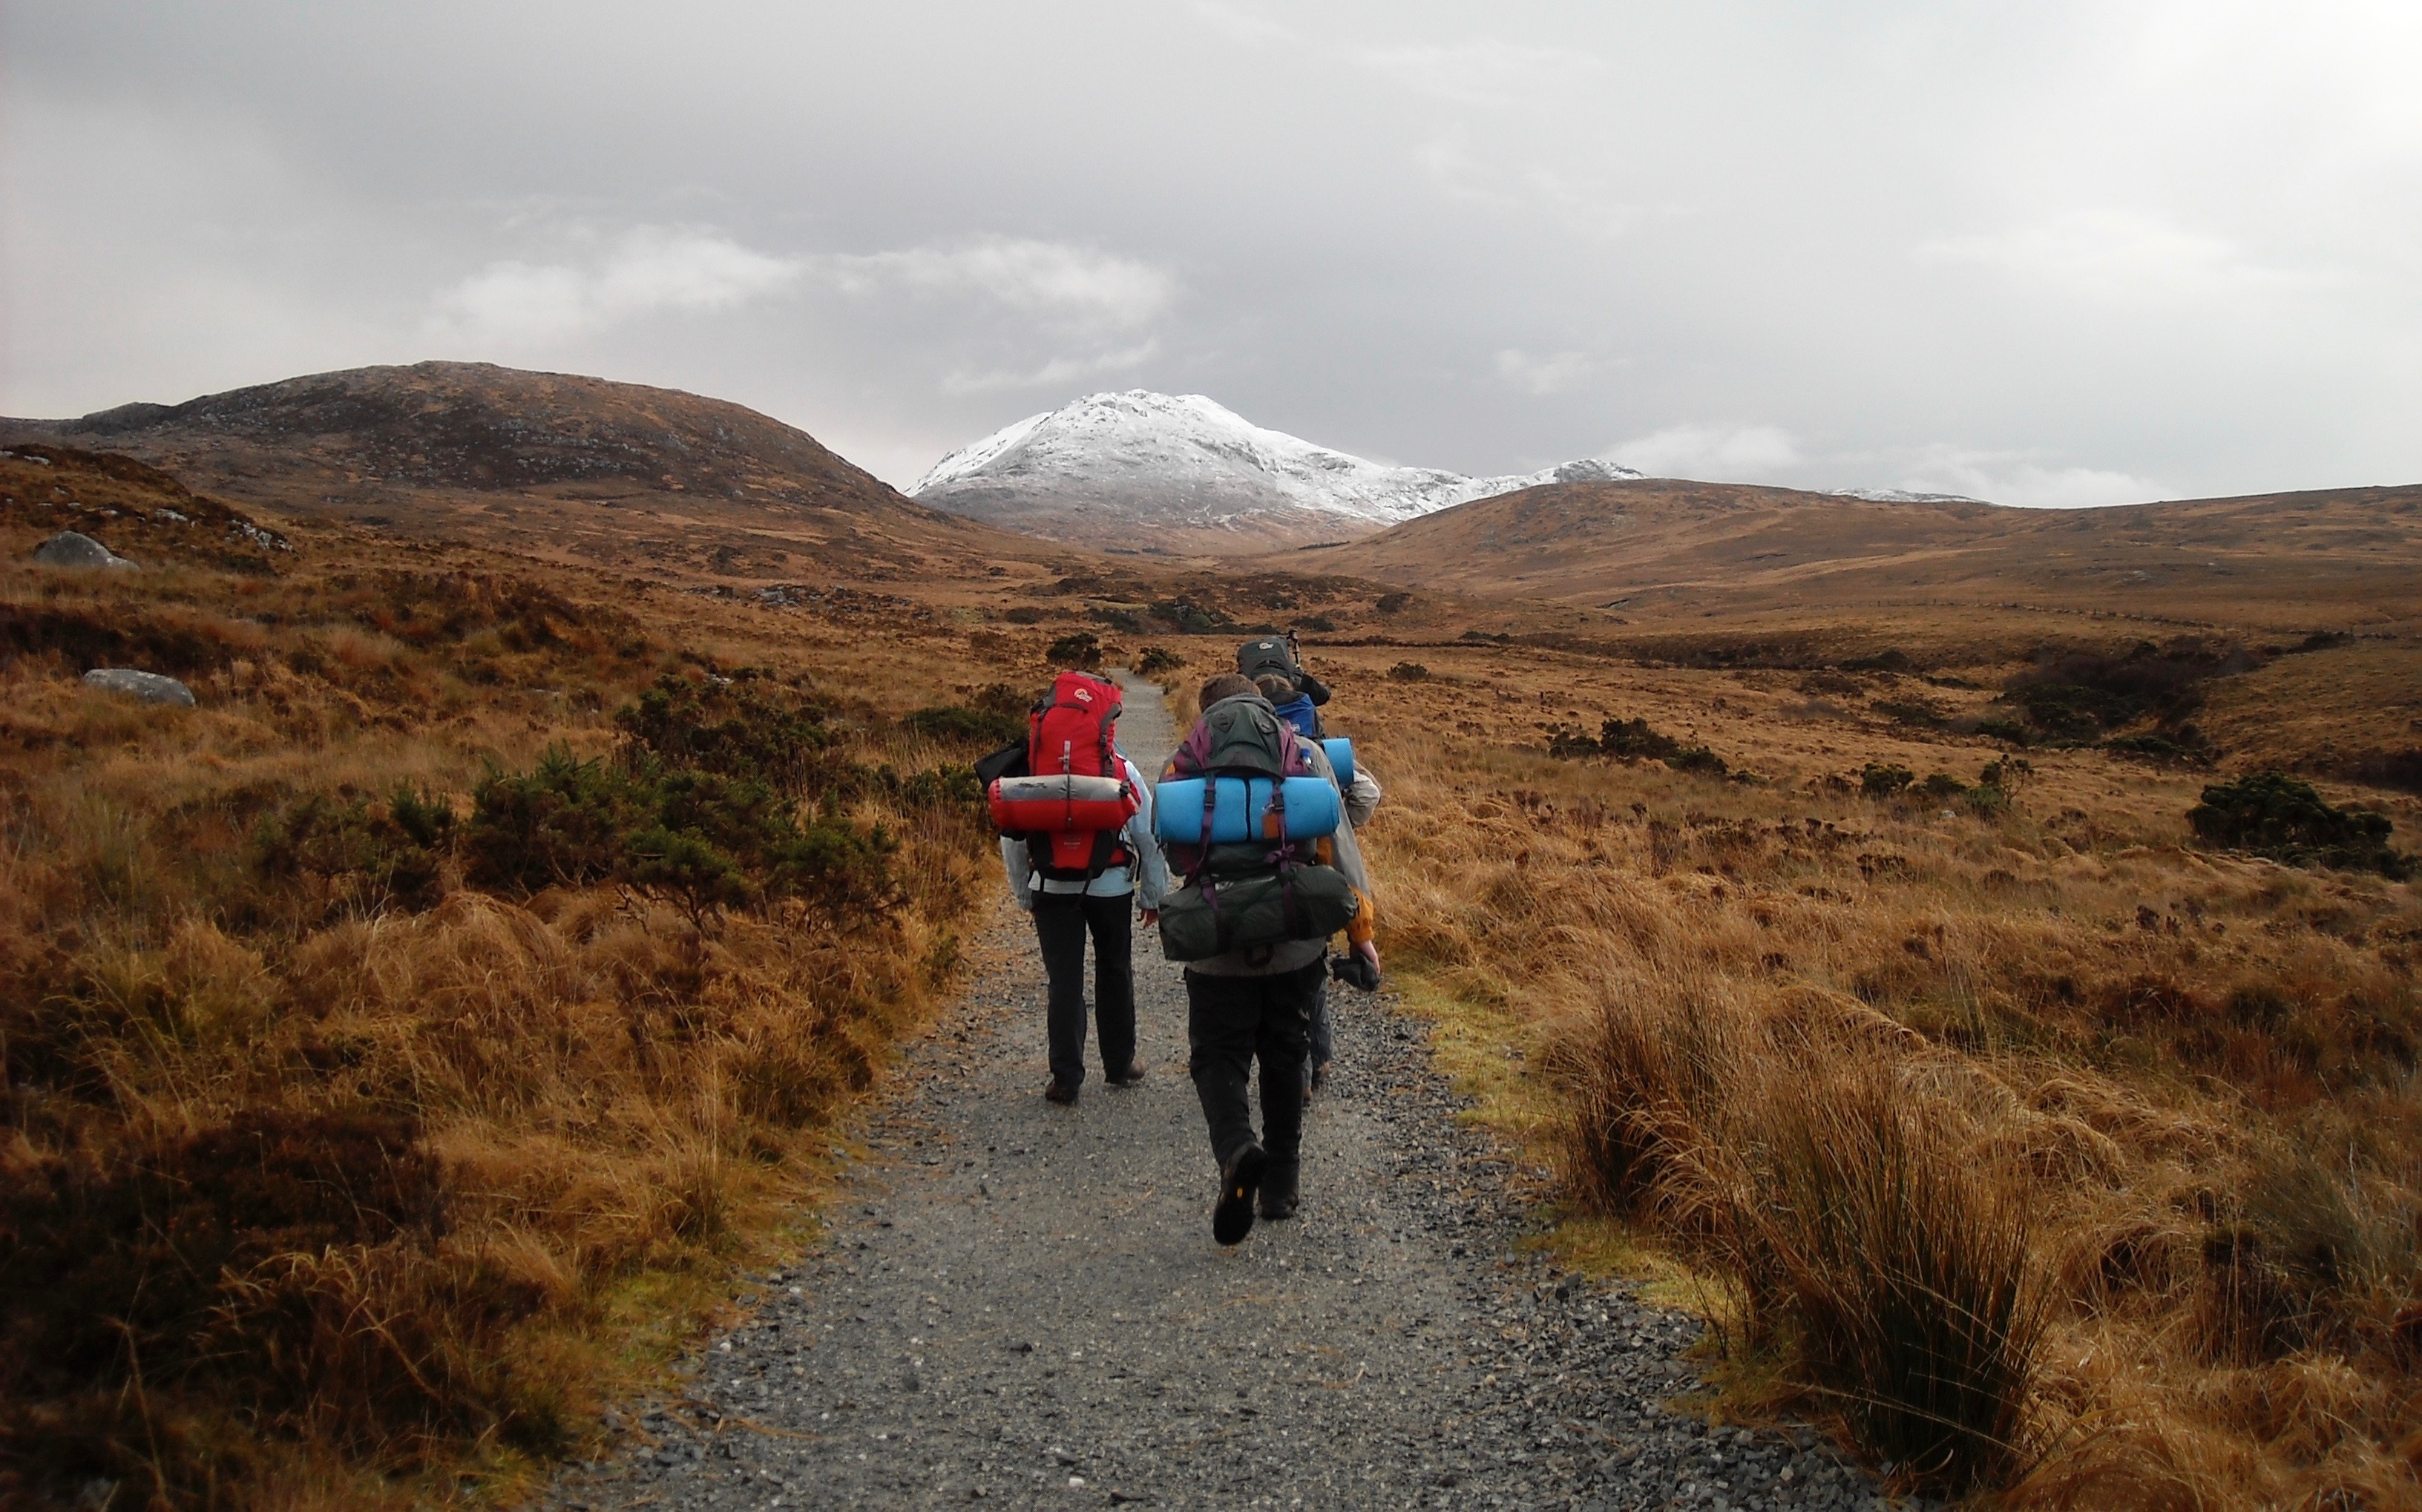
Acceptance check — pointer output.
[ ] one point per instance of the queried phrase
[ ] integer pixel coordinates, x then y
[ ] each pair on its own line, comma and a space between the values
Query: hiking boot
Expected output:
1232, 1216
1055, 1093
1319, 1076
1278, 1198
1126, 1076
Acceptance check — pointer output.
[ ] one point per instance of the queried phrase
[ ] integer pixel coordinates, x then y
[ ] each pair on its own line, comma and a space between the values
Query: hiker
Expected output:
1277, 656
1081, 870
1251, 921
1297, 696
1362, 795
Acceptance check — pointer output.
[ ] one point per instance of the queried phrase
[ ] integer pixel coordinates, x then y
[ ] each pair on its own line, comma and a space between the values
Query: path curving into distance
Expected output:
1021, 1305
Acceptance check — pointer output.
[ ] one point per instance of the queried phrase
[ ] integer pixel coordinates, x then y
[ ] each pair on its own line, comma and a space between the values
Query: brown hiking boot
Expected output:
1057, 1094
1126, 1076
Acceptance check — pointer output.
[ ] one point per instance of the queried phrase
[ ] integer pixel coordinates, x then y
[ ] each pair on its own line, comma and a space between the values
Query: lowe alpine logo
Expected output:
1084, 695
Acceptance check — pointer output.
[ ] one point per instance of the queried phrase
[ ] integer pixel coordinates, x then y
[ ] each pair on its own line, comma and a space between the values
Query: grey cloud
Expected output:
2066, 249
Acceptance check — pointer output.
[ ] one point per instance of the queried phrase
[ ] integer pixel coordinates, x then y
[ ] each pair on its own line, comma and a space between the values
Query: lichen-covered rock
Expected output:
73, 548
150, 686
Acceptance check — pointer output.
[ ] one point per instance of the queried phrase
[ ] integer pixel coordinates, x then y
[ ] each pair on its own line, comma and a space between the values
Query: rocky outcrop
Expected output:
73, 548
150, 688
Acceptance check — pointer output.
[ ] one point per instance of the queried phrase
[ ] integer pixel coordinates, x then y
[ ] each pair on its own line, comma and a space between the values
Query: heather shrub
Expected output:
2271, 814
728, 726
329, 858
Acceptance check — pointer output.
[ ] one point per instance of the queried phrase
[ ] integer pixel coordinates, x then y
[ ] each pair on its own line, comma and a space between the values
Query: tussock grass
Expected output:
329, 1175
2042, 1154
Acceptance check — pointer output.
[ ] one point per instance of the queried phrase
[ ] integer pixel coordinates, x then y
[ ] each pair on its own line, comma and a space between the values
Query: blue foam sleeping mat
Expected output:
1312, 809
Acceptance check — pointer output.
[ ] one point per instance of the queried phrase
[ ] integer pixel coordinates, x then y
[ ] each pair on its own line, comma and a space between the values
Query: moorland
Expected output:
1969, 958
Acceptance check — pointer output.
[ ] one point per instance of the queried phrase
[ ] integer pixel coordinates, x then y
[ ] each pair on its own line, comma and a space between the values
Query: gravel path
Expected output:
1020, 1304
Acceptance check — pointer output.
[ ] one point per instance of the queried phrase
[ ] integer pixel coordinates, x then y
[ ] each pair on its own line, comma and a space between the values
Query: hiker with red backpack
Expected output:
1252, 815
1076, 818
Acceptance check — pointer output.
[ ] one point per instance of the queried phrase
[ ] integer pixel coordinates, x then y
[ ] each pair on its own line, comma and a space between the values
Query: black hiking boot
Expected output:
1278, 1199
1232, 1216
1055, 1093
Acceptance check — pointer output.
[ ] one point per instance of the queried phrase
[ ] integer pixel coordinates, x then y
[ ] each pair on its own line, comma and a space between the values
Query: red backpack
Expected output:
1073, 804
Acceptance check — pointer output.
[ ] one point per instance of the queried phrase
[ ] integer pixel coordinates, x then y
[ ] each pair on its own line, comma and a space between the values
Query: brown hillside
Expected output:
558, 466
1658, 545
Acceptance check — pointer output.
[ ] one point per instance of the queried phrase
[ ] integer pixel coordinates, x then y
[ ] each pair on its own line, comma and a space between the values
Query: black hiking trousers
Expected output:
1232, 1021
1061, 921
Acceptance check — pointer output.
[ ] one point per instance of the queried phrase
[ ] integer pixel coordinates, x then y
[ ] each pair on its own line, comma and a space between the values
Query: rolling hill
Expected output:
547, 464
1660, 546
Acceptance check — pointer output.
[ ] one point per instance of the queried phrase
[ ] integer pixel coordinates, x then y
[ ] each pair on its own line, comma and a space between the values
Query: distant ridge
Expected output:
1188, 473
2327, 556
550, 464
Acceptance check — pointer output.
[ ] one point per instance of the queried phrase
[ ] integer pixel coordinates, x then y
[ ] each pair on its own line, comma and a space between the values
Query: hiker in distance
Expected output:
1277, 669
1252, 816
1076, 822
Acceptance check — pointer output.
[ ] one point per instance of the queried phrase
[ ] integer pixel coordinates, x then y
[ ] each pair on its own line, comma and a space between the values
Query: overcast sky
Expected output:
2042, 252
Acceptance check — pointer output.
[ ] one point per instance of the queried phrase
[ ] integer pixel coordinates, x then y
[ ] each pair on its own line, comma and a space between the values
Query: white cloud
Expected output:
650, 269
1243, 25
1550, 374
2016, 478
2028, 479
2114, 254
1057, 371
1486, 71
1060, 282
1713, 453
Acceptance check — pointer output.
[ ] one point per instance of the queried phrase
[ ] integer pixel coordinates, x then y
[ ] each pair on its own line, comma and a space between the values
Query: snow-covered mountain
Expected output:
1182, 473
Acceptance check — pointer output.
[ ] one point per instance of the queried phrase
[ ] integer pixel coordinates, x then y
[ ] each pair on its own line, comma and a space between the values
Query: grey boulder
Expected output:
150, 686
73, 548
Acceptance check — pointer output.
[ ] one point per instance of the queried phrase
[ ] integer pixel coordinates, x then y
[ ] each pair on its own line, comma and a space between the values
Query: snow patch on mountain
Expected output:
1187, 461
1900, 496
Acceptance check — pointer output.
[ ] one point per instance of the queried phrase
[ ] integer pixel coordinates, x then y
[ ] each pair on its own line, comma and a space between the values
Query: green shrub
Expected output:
1188, 617
2184, 745
1157, 660
560, 823
1698, 760
1081, 650
1407, 671
1986, 800
1941, 786
955, 724
949, 789
358, 858
1571, 742
1633, 737
2272, 814
1879, 780
728, 726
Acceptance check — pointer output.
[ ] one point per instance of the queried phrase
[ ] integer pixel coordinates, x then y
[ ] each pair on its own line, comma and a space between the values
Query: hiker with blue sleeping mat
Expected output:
1250, 815
1297, 696
1361, 790
1075, 817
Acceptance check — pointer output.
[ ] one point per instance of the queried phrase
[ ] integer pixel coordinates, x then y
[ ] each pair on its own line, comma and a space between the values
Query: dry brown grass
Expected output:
2034, 1149
317, 1197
